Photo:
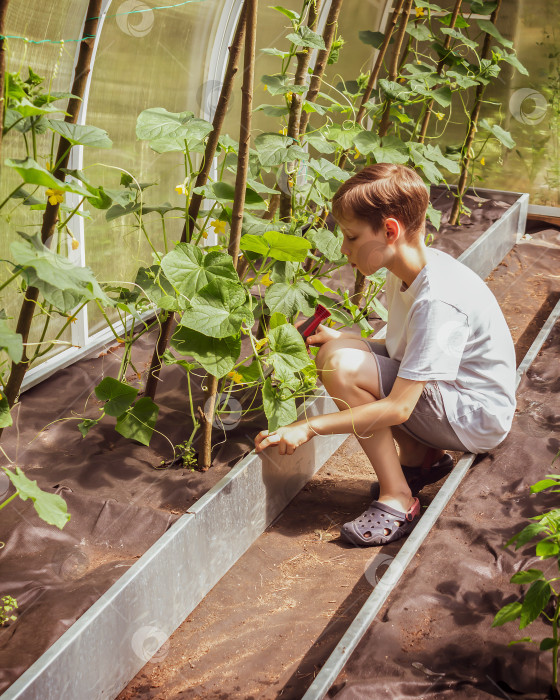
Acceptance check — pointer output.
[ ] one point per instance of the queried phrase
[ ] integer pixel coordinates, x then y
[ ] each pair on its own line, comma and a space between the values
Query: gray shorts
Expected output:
428, 422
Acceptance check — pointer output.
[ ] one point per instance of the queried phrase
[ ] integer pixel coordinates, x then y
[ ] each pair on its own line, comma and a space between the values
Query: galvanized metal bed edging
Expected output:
361, 623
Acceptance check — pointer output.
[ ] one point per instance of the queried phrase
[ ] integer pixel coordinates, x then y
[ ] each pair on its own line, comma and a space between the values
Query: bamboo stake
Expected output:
207, 413
441, 63
302, 62
376, 70
196, 201
393, 69
3, 12
321, 62
50, 217
465, 151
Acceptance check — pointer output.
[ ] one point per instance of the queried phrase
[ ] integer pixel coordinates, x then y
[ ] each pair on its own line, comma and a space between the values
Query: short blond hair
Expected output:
383, 191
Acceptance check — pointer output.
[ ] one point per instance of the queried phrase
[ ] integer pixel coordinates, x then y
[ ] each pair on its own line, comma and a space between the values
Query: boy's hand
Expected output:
321, 335
288, 438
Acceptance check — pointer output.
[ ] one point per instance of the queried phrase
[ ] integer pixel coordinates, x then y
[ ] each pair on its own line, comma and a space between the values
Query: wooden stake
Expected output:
205, 453
196, 201
465, 151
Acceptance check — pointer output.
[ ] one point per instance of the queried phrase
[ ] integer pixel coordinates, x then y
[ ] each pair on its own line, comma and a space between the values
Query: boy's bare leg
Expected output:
411, 452
350, 375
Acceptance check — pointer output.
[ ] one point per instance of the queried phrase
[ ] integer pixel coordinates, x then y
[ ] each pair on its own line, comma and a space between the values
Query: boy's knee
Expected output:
336, 359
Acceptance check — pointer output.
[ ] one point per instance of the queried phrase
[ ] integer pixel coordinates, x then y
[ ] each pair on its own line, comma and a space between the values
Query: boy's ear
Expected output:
393, 229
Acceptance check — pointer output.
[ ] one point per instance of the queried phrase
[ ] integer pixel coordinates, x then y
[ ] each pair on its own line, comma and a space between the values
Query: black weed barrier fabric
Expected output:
434, 639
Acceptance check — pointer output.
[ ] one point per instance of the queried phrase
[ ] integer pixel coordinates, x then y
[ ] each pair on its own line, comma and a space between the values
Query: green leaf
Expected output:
514, 61
294, 16
117, 395
374, 39
80, 134
527, 534
224, 193
509, 612
62, 283
276, 84
277, 319
524, 640
327, 242
535, 601
547, 548
279, 412
343, 137
456, 34
273, 110
86, 425
11, 341
138, 422
34, 174
250, 373
188, 269
319, 143
460, 21
276, 245
421, 32
288, 299
28, 109
288, 352
273, 149
543, 484
168, 131
219, 309
548, 643
442, 95
217, 355
504, 137
527, 576
306, 37
5, 415
327, 170
491, 29
49, 506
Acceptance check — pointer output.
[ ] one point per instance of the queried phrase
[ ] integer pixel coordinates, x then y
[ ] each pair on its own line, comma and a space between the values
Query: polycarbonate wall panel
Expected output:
151, 59
54, 62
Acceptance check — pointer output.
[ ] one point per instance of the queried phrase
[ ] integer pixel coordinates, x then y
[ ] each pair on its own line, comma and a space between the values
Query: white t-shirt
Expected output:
447, 326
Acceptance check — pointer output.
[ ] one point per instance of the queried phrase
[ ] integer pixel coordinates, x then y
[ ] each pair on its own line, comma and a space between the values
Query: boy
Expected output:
444, 378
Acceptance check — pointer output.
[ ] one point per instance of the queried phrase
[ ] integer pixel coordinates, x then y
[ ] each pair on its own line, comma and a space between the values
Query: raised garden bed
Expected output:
130, 507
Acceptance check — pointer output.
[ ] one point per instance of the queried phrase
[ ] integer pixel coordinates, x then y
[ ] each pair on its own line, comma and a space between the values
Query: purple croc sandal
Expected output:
369, 528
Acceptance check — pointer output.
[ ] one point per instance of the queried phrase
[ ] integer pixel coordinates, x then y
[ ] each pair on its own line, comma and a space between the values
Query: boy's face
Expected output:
366, 249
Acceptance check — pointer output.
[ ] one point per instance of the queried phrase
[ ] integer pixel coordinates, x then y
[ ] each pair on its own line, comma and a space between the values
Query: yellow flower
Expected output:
180, 189
439, 115
260, 343
219, 227
75, 244
266, 87
419, 12
55, 197
235, 377
265, 279
401, 81
205, 234
251, 279
358, 154
482, 161
283, 131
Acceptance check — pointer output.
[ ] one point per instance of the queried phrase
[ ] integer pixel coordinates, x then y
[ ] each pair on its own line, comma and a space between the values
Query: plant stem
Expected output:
11, 498
393, 69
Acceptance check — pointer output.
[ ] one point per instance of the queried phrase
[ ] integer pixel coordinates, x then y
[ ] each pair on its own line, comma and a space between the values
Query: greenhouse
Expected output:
279, 349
